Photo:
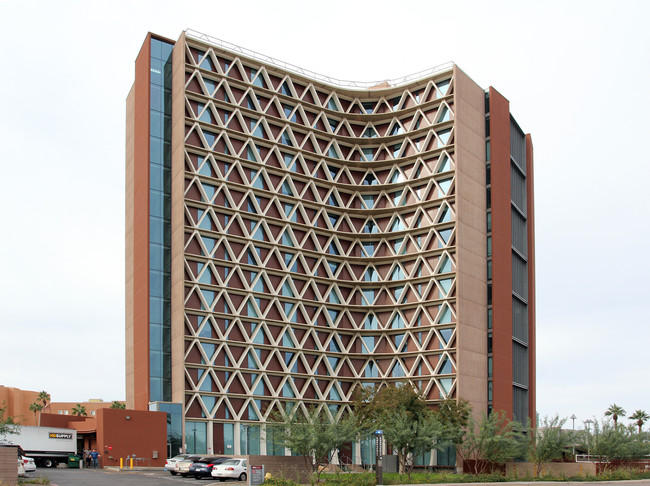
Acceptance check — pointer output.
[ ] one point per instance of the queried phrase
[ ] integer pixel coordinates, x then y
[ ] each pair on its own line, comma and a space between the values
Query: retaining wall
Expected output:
8, 466
568, 469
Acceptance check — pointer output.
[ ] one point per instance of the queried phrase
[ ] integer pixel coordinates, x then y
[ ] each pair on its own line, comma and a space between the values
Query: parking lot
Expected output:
102, 477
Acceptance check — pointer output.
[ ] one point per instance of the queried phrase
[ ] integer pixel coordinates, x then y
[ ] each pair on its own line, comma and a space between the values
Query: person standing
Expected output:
94, 455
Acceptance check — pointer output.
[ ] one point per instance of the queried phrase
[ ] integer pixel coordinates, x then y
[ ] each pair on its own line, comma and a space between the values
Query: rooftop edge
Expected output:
381, 84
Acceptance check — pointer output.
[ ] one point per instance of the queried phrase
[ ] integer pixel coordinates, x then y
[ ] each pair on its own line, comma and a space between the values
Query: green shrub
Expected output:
368, 479
38, 480
440, 478
349, 479
275, 481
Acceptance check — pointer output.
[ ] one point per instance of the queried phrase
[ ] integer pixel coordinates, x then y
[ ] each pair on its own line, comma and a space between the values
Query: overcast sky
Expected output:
577, 77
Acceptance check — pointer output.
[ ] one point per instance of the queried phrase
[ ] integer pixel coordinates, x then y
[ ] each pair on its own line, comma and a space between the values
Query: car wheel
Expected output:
242, 477
196, 476
48, 463
173, 473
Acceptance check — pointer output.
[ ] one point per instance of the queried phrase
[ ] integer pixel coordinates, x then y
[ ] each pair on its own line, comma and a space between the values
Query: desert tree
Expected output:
548, 441
313, 434
493, 440
7, 423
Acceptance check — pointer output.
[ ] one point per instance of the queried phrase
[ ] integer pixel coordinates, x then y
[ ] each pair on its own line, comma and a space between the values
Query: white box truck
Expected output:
47, 445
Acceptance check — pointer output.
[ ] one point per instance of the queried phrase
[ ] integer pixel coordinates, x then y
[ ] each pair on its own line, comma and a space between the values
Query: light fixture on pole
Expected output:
573, 428
588, 423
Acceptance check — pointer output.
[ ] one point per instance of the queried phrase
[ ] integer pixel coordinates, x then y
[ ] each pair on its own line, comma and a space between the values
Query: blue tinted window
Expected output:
156, 257
156, 124
157, 71
156, 284
196, 437
157, 101
156, 49
155, 310
159, 221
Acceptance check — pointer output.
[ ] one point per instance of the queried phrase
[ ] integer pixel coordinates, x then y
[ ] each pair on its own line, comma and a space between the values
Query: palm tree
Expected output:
640, 417
614, 411
79, 410
45, 398
36, 408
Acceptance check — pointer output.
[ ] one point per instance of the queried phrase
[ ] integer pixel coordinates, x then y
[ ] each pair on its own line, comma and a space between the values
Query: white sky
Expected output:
576, 74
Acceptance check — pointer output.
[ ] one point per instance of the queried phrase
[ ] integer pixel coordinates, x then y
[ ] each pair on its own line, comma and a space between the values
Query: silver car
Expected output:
171, 462
183, 467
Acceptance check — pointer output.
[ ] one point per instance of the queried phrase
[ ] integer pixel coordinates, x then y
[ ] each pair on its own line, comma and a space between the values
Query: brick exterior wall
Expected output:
8, 466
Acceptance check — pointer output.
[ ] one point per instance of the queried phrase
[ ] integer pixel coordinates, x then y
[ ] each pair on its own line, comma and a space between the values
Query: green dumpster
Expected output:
73, 461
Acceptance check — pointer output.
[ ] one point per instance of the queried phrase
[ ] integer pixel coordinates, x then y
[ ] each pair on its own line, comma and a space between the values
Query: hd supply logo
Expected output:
57, 435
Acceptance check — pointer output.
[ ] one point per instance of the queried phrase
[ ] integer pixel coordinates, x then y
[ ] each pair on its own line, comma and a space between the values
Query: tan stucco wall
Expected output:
128, 251
17, 402
178, 218
471, 241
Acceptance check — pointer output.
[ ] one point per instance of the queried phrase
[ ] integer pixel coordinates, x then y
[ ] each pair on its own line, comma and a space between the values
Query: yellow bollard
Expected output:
131, 463
121, 462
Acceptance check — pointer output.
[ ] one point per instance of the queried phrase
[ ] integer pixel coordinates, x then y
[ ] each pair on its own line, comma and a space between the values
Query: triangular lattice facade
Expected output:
310, 238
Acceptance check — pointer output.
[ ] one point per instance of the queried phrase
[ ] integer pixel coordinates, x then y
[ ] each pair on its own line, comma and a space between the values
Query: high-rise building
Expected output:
292, 237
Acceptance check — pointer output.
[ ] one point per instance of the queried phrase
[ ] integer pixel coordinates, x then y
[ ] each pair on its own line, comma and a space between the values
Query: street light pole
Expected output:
588, 423
573, 427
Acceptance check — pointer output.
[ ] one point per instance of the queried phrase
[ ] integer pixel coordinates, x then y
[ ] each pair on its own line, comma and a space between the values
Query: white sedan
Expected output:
230, 469
28, 464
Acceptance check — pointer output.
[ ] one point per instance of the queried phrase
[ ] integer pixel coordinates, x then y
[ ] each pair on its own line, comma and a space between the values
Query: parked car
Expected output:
21, 468
230, 469
171, 463
183, 467
28, 464
203, 467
